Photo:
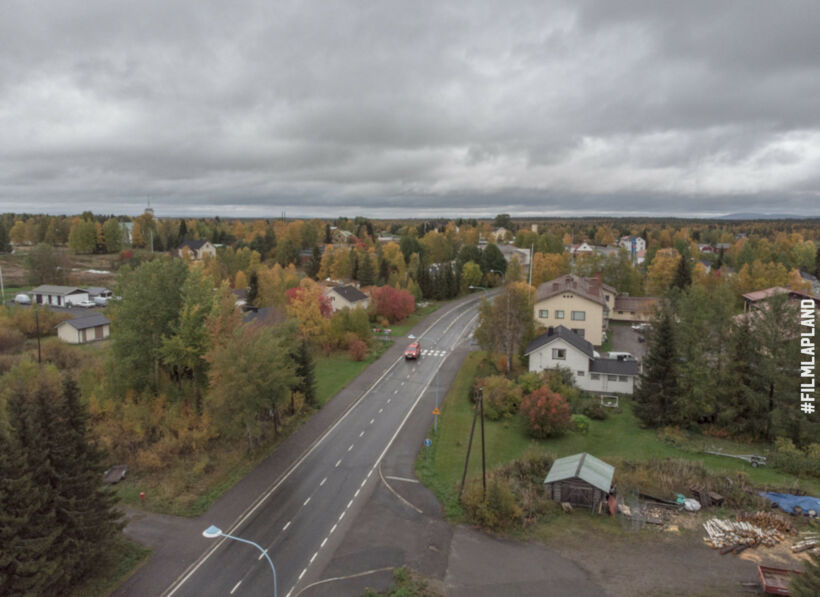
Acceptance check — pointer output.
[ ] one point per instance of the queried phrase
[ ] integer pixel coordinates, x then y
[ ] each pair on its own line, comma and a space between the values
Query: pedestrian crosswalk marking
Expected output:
433, 353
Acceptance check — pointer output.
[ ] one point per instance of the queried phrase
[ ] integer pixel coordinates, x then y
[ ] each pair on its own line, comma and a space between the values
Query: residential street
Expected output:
306, 509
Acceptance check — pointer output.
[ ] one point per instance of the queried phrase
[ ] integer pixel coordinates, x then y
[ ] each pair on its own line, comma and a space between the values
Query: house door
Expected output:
576, 495
84, 336
98, 332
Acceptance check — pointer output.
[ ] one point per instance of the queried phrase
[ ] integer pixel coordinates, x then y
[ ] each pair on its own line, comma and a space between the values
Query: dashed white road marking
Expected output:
381, 410
350, 503
371, 421
323, 482
235, 587
338, 462
302, 573
342, 515
402, 383
350, 448
313, 557
285, 528
289, 592
363, 482
333, 528
389, 399
323, 542
396, 391
355, 495
306, 501
361, 434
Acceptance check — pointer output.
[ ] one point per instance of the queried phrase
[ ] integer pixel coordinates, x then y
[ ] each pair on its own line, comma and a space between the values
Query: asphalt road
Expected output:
304, 516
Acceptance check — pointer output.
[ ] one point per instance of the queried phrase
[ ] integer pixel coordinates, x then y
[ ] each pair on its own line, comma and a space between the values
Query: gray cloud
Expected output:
391, 108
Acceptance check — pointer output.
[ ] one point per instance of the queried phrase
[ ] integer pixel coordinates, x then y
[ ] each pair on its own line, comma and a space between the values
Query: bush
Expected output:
350, 322
594, 410
11, 339
498, 511
794, 461
391, 303
358, 350
545, 413
580, 423
501, 396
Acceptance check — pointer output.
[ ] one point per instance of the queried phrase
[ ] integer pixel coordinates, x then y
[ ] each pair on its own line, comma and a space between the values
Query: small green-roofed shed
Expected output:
580, 479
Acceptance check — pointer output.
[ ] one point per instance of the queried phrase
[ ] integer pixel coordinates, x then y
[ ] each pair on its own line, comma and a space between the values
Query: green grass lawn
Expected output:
617, 439
401, 329
335, 371
113, 568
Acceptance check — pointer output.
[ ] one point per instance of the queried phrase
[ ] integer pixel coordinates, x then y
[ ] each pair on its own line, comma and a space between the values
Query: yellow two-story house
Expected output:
581, 304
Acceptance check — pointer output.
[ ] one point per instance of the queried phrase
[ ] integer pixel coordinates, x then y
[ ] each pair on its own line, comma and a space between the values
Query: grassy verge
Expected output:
401, 329
335, 371
617, 439
189, 486
113, 568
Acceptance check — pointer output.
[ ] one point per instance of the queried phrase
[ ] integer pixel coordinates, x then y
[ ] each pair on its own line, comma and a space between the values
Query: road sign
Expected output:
436, 411
428, 442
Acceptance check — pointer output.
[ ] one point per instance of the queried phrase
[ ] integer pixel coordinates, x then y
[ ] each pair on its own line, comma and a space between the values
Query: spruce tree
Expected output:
253, 288
315, 263
24, 540
365, 274
683, 275
743, 389
808, 583
305, 370
656, 398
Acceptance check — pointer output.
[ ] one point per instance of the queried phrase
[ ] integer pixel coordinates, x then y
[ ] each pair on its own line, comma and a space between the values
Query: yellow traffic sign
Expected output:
436, 411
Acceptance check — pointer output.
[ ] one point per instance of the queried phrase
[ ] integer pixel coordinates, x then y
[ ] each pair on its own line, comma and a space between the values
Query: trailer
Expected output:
775, 581
754, 459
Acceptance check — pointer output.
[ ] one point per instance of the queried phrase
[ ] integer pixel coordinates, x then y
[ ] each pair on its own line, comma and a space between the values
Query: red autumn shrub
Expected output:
391, 303
358, 350
545, 413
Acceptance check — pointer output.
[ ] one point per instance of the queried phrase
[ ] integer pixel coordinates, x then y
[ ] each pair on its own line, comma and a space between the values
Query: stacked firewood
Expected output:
750, 530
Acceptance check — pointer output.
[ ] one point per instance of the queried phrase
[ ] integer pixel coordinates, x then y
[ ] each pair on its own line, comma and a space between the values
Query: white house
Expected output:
627, 241
84, 329
58, 296
196, 249
346, 296
560, 347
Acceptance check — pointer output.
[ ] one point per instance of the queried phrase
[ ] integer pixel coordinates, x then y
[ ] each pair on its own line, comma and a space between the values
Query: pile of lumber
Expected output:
735, 536
768, 520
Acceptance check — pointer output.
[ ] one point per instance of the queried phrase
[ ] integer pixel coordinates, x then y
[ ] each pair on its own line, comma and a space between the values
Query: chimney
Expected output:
550, 331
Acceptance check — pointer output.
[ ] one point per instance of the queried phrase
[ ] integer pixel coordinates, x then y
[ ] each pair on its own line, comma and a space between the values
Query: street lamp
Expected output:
213, 531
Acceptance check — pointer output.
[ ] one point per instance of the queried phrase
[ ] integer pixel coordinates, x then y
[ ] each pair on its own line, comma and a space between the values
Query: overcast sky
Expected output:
383, 108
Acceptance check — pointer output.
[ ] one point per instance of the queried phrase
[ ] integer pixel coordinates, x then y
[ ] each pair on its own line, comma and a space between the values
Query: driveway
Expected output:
625, 339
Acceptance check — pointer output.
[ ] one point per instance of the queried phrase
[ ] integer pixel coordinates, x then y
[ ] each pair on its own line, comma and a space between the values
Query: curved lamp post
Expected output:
213, 531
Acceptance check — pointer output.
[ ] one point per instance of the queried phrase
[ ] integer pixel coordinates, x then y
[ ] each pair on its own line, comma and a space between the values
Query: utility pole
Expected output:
483, 455
2, 287
37, 323
469, 448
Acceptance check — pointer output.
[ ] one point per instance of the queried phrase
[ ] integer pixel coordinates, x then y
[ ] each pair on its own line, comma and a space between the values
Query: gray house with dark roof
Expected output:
58, 296
346, 296
196, 249
561, 347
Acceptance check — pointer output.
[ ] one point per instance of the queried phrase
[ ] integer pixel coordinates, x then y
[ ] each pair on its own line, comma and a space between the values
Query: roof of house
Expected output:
194, 245
87, 321
589, 288
614, 366
264, 315
97, 290
634, 303
565, 334
584, 466
51, 289
350, 293
759, 295
240, 292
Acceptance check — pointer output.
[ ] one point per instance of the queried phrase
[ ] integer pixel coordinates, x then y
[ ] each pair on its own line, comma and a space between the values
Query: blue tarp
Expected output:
787, 502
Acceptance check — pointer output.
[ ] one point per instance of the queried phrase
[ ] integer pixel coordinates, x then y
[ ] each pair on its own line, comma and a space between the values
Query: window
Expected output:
612, 378
606, 297
544, 313
559, 314
559, 354
578, 331
620, 312
579, 315
623, 378
594, 376
580, 373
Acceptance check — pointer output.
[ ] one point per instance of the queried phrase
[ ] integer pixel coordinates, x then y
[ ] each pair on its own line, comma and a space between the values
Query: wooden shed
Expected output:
581, 479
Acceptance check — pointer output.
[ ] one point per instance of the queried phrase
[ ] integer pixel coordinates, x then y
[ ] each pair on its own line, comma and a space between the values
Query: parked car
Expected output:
22, 299
413, 351
86, 304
